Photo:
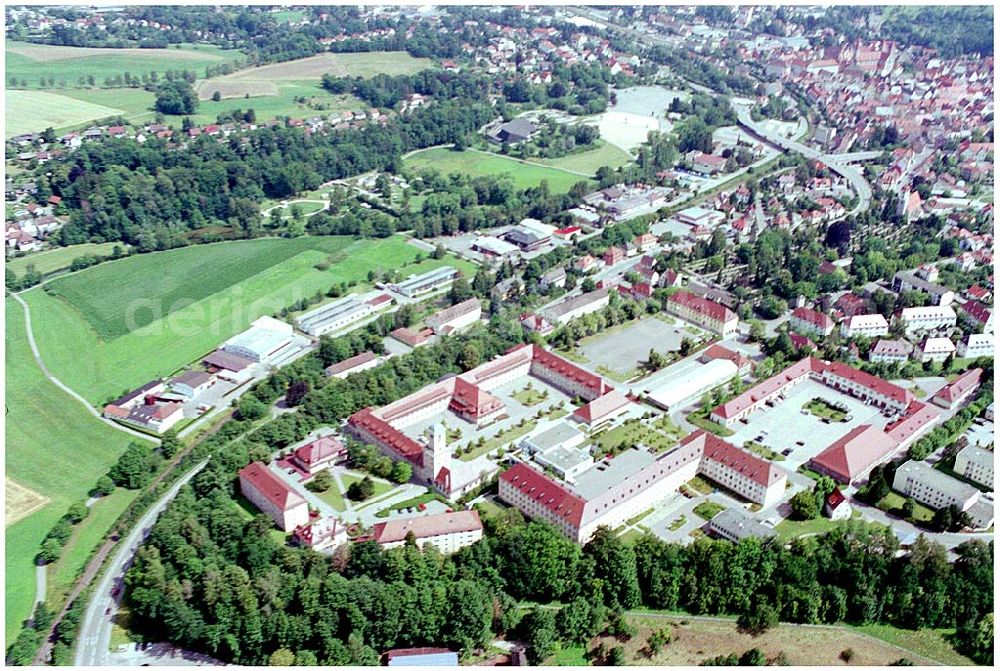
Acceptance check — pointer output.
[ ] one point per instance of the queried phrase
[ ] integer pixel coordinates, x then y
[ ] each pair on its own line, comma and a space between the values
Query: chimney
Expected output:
150, 399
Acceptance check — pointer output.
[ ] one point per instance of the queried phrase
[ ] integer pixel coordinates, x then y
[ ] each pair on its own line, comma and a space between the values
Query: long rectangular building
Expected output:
615, 490
703, 312
333, 316
416, 285
273, 496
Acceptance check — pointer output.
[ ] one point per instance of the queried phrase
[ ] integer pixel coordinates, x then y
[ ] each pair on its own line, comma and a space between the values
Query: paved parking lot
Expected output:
785, 425
622, 349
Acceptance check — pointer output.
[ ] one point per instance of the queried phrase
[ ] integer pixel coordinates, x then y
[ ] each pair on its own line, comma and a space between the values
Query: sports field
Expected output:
115, 326
480, 164
58, 259
56, 449
32, 62
28, 111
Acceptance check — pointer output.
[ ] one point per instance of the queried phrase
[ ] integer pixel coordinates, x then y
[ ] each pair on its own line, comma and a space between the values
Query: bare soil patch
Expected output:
19, 502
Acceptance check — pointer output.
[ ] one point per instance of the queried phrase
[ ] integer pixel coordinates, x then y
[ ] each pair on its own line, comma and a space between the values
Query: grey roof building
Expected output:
735, 524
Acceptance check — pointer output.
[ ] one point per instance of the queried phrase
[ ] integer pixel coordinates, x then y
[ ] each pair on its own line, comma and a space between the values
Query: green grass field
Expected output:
204, 294
283, 104
478, 164
31, 62
605, 154
60, 258
28, 111
57, 449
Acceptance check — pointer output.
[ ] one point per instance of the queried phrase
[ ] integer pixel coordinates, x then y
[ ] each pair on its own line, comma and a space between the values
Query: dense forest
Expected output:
150, 197
210, 580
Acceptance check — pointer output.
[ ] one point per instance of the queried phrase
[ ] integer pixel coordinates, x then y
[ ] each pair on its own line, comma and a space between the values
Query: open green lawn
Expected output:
60, 258
893, 503
31, 62
334, 497
479, 164
530, 397
283, 103
605, 154
54, 447
703, 422
86, 536
414, 502
706, 510
633, 432
381, 486
824, 410
571, 655
117, 325
931, 643
789, 529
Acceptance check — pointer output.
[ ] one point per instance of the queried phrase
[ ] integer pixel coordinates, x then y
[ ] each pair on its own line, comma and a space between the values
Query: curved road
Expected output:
57, 382
833, 161
94, 640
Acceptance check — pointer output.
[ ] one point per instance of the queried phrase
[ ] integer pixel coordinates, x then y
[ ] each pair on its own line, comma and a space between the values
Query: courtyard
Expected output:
788, 426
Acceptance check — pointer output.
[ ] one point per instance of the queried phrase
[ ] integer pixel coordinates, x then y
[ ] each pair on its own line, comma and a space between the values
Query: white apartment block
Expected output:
934, 349
975, 345
928, 318
976, 464
937, 490
870, 326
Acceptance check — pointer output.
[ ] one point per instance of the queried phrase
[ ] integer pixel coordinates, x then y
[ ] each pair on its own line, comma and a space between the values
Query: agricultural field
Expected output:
42, 420
282, 102
605, 154
32, 62
481, 164
133, 330
60, 258
31, 111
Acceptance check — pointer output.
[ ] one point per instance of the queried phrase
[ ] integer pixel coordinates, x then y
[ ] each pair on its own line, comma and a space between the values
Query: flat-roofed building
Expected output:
333, 316
266, 340
493, 247
192, 382
937, 490
437, 657
870, 326
691, 383
736, 524
556, 434
273, 496
448, 532
566, 462
905, 280
976, 464
927, 318
432, 280
700, 216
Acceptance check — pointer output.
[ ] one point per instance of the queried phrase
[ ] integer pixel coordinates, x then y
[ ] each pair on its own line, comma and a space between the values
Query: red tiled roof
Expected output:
472, 401
391, 437
270, 486
719, 352
427, 526
562, 367
711, 309
759, 470
876, 384
601, 407
319, 450
976, 311
770, 386
800, 341
835, 498
550, 495
353, 362
963, 384
814, 317
853, 454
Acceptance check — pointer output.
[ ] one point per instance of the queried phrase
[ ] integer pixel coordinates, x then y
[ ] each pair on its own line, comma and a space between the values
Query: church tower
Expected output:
437, 457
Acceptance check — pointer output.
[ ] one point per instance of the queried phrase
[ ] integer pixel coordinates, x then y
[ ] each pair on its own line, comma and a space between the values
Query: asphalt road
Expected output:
94, 639
833, 161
